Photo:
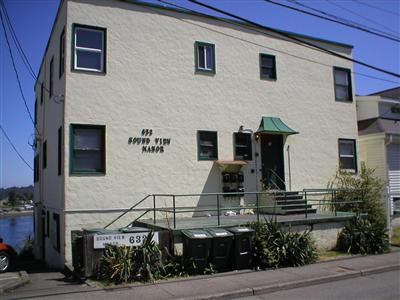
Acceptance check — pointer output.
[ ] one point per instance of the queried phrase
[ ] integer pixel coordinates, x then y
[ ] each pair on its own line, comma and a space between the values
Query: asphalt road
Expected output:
377, 287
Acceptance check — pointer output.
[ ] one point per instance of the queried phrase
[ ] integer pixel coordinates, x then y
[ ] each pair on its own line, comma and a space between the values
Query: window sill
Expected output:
205, 72
267, 78
87, 71
344, 100
86, 173
207, 158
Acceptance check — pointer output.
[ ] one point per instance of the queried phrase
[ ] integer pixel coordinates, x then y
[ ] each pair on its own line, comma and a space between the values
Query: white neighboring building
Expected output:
135, 99
378, 117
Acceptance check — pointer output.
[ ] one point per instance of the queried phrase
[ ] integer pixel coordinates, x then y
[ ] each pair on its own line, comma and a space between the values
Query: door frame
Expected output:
265, 157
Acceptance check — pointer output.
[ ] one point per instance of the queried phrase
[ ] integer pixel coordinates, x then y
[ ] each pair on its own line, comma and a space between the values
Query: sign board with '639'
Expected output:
121, 239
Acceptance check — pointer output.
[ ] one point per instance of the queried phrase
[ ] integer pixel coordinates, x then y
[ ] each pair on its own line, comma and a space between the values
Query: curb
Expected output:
24, 279
297, 284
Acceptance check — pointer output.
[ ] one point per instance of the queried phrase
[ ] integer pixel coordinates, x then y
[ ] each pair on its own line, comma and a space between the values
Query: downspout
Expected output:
388, 141
290, 173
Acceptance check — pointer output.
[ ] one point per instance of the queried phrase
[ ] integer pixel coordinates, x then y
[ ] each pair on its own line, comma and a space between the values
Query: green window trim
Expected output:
86, 172
349, 85
352, 156
263, 76
207, 139
204, 70
74, 68
243, 146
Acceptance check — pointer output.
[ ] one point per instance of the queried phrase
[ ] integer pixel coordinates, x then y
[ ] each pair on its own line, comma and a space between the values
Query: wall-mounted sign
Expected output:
121, 239
148, 143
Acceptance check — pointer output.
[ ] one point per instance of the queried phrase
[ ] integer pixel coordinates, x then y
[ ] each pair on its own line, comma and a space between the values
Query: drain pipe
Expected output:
388, 141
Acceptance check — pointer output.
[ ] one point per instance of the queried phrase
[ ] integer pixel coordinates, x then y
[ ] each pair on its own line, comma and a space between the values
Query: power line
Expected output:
16, 41
360, 16
252, 28
332, 20
15, 149
350, 22
291, 37
377, 8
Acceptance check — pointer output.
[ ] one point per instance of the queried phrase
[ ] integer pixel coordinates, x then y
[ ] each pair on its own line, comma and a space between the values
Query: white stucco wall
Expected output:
151, 83
373, 153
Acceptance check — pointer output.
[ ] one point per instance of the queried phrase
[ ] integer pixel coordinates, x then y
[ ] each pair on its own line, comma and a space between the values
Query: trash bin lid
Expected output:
196, 234
134, 229
240, 229
219, 232
98, 231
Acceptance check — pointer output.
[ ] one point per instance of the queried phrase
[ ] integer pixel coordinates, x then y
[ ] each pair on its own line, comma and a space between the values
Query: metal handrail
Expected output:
128, 210
276, 174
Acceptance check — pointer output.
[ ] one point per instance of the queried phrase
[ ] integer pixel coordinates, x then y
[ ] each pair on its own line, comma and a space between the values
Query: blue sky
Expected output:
33, 19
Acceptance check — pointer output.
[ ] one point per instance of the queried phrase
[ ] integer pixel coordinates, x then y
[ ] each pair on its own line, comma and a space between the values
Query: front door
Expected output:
273, 175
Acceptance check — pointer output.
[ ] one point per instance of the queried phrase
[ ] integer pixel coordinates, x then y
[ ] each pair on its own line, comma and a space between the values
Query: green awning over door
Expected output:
274, 125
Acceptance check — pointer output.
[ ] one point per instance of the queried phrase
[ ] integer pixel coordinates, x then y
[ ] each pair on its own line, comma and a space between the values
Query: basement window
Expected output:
207, 145
205, 57
243, 149
343, 89
89, 48
87, 149
347, 155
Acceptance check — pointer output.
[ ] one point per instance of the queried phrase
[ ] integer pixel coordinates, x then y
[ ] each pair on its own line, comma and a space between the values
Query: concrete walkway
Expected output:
220, 286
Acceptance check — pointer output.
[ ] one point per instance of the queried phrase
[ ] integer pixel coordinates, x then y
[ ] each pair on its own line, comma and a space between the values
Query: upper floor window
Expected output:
395, 109
51, 86
35, 112
347, 155
243, 149
87, 149
89, 48
343, 89
41, 93
207, 145
44, 154
62, 54
267, 66
205, 57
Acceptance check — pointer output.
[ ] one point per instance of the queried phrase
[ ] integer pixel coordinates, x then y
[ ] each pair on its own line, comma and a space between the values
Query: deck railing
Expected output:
325, 201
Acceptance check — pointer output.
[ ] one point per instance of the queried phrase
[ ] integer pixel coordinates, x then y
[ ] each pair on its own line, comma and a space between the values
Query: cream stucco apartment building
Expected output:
135, 99
379, 137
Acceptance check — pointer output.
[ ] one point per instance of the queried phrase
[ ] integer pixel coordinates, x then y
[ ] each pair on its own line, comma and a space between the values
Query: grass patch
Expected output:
395, 236
331, 254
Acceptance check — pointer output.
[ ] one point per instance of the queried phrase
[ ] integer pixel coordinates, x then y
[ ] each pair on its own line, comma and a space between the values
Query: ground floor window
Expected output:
243, 149
56, 231
347, 155
207, 145
87, 149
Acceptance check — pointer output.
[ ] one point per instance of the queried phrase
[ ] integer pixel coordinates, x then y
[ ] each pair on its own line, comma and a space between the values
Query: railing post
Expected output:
334, 203
173, 204
305, 200
154, 209
258, 210
218, 211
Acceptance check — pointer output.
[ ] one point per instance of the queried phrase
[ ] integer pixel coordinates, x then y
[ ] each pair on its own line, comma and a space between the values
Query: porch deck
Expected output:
230, 221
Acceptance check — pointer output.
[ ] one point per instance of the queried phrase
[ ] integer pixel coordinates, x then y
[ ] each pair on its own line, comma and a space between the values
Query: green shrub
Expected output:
116, 263
274, 248
360, 236
27, 250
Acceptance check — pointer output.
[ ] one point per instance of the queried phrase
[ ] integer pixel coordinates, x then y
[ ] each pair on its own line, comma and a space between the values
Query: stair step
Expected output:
300, 211
296, 201
291, 207
290, 197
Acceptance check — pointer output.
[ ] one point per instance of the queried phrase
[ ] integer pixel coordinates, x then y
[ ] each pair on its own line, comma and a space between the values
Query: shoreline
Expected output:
16, 214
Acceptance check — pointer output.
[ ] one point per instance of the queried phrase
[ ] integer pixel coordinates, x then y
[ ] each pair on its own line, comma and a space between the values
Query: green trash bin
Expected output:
241, 250
196, 249
220, 248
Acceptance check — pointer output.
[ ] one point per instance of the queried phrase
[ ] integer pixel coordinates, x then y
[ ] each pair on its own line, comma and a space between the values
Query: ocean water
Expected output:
16, 229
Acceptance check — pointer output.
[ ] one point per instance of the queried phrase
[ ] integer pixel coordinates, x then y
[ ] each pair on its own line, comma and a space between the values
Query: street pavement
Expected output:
53, 285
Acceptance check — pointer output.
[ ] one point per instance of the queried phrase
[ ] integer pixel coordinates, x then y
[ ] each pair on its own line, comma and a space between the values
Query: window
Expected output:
347, 155
207, 145
87, 149
59, 150
51, 77
62, 54
47, 233
267, 66
343, 89
36, 168
89, 48
56, 232
44, 154
205, 57
41, 93
243, 147
395, 109
35, 111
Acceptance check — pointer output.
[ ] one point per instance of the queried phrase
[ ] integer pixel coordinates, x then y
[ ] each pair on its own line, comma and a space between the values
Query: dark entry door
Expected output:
272, 161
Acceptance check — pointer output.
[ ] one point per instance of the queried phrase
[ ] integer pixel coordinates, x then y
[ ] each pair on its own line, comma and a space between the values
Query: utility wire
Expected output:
360, 16
291, 37
16, 71
342, 19
16, 41
332, 20
252, 28
377, 8
15, 149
